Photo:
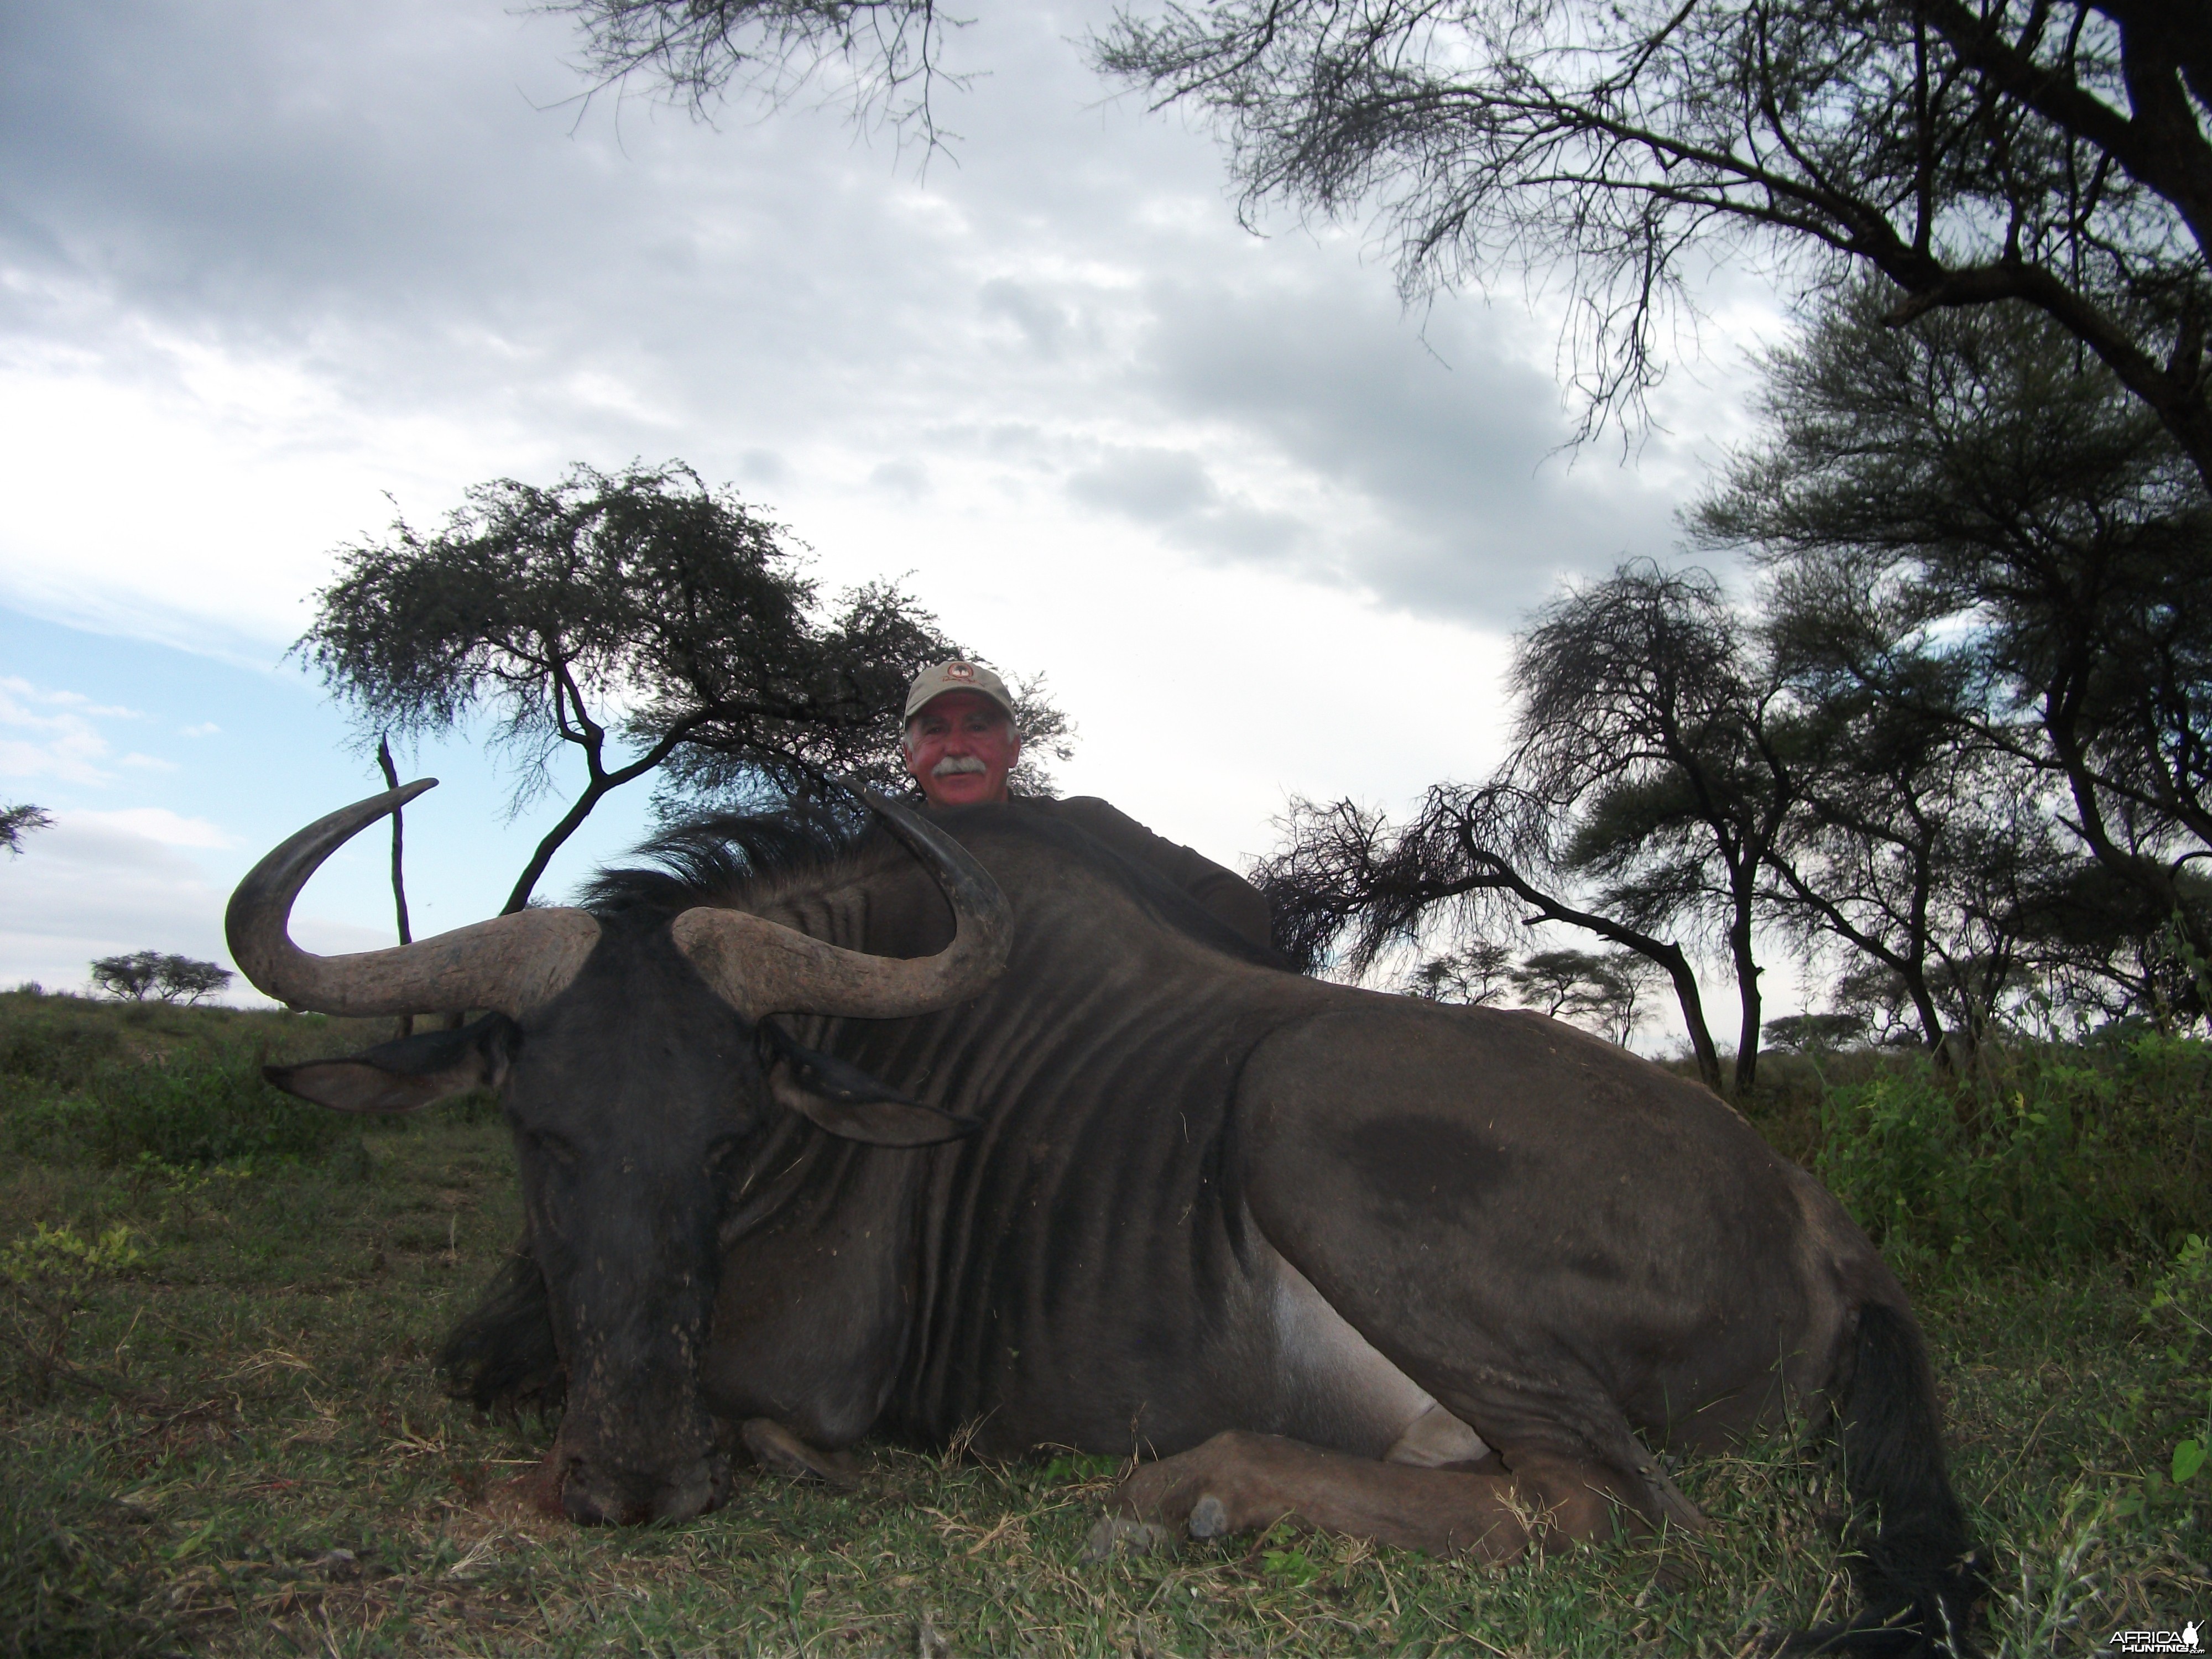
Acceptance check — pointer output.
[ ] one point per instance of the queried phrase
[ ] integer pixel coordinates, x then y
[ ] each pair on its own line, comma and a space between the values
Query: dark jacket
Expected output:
1223, 894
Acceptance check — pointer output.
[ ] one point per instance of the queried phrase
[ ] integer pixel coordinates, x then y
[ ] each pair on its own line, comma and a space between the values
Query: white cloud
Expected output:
96, 884
76, 700
376, 267
155, 823
63, 745
204, 729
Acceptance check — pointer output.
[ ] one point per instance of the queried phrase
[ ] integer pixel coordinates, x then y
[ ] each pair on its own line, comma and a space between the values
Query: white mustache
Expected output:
952, 765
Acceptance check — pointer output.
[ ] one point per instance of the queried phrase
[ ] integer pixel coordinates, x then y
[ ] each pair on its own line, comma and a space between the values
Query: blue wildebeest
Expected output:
976, 1127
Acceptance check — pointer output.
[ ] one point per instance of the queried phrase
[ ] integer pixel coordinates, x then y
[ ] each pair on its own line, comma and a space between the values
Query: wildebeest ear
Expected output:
845, 1101
407, 1074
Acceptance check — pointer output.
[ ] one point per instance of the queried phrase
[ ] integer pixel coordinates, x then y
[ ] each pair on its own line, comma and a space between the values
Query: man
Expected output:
961, 744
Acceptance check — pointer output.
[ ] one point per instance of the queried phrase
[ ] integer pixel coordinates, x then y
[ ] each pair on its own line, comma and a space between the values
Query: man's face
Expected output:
960, 748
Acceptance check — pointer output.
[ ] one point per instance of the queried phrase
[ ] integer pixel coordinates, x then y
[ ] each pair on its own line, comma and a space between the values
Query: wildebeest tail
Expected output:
1915, 1562
500, 1356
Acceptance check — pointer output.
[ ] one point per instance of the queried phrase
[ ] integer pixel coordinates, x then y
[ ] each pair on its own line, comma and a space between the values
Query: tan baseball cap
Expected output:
934, 681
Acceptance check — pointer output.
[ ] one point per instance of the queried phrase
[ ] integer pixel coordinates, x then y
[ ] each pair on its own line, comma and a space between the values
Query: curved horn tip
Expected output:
507, 963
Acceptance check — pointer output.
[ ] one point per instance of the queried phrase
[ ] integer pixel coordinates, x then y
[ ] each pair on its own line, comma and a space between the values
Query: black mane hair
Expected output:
500, 1356
716, 853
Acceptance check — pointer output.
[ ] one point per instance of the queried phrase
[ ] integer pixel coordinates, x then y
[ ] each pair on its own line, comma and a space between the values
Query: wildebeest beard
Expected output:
953, 765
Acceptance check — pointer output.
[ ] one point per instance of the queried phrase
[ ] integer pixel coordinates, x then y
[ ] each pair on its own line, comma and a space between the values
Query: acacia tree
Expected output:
1896, 802
2102, 955
168, 975
1606, 987
2048, 152
1815, 1033
1644, 723
129, 975
1638, 804
17, 822
1346, 883
1474, 975
1554, 982
187, 977
1927, 852
2051, 152
1622, 981
1986, 536
630, 619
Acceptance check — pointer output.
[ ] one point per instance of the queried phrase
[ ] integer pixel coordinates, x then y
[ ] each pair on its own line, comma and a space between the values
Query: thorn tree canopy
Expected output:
2047, 151
1473, 977
886, 53
164, 973
1636, 775
636, 618
1972, 524
127, 977
17, 822
189, 978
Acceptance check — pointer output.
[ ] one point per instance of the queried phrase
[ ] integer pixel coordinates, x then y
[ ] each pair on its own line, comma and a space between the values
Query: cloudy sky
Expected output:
271, 268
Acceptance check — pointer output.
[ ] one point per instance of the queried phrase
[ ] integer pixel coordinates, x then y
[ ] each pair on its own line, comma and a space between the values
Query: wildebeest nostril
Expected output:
580, 1505
697, 1490
594, 1495
590, 1498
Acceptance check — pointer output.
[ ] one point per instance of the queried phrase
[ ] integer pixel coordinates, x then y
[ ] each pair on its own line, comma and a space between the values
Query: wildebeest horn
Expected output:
760, 967
507, 964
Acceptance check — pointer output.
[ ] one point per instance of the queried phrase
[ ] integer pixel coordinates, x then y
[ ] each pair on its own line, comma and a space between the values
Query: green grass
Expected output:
253, 1394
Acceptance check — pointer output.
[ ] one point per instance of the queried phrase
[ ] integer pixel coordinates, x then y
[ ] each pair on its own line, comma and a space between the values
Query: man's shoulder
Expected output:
1092, 812
1067, 805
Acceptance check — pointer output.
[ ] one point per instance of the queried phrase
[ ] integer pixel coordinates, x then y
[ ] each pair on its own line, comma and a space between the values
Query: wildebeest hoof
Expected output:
1118, 1533
777, 1449
1209, 1518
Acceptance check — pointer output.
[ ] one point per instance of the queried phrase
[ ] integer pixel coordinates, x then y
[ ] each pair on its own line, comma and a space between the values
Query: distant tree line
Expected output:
1955, 743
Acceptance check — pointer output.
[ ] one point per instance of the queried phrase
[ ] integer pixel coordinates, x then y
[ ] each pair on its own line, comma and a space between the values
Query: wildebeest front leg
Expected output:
1238, 1482
779, 1451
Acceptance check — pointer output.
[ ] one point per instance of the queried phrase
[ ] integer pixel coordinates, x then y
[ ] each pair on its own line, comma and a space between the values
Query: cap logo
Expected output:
960, 671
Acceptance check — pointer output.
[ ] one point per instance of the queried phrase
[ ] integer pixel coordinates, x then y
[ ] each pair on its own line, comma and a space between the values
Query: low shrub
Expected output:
52, 1055
47, 1273
2179, 1318
198, 1109
2040, 1156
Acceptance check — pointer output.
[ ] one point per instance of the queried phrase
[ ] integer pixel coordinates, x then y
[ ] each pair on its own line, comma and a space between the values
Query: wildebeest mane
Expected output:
712, 856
